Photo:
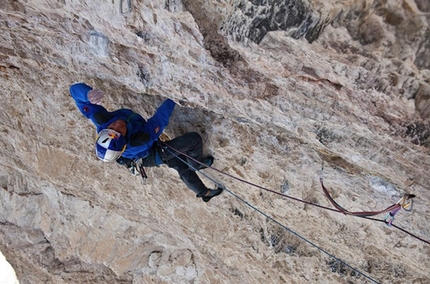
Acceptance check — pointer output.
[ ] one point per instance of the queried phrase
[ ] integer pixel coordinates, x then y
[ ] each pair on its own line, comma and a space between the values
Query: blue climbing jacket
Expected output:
141, 134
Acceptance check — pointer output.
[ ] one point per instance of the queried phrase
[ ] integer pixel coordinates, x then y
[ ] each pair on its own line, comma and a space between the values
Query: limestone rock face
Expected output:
276, 89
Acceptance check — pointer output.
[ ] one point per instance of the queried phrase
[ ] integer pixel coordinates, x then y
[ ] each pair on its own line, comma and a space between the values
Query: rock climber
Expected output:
127, 138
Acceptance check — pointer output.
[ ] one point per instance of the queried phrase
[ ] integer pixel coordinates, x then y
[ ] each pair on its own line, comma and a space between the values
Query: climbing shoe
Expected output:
207, 162
212, 193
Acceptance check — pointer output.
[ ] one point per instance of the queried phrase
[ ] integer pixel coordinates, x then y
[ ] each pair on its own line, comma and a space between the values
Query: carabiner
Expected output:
390, 216
389, 219
408, 206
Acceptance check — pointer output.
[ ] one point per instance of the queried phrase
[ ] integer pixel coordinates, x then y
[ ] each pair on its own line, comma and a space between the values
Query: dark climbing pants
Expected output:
190, 144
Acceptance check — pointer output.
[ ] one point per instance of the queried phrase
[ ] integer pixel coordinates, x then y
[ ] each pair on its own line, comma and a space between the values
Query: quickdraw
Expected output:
405, 202
138, 169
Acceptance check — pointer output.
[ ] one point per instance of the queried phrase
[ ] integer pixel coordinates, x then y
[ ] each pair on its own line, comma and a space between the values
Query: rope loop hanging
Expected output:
405, 202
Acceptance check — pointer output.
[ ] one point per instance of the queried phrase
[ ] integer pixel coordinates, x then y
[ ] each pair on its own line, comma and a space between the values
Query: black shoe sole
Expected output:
208, 198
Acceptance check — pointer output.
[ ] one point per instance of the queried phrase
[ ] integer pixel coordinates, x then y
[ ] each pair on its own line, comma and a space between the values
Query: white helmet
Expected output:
110, 145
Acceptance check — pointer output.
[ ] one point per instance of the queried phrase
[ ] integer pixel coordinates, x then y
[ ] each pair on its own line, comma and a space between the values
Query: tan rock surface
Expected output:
352, 95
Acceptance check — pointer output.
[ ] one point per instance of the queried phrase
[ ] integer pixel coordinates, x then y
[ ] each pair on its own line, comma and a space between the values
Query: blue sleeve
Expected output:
160, 120
79, 92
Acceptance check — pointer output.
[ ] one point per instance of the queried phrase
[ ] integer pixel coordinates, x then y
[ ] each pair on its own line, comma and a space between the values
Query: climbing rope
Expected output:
405, 202
299, 236
392, 210
388, 220
268, 216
